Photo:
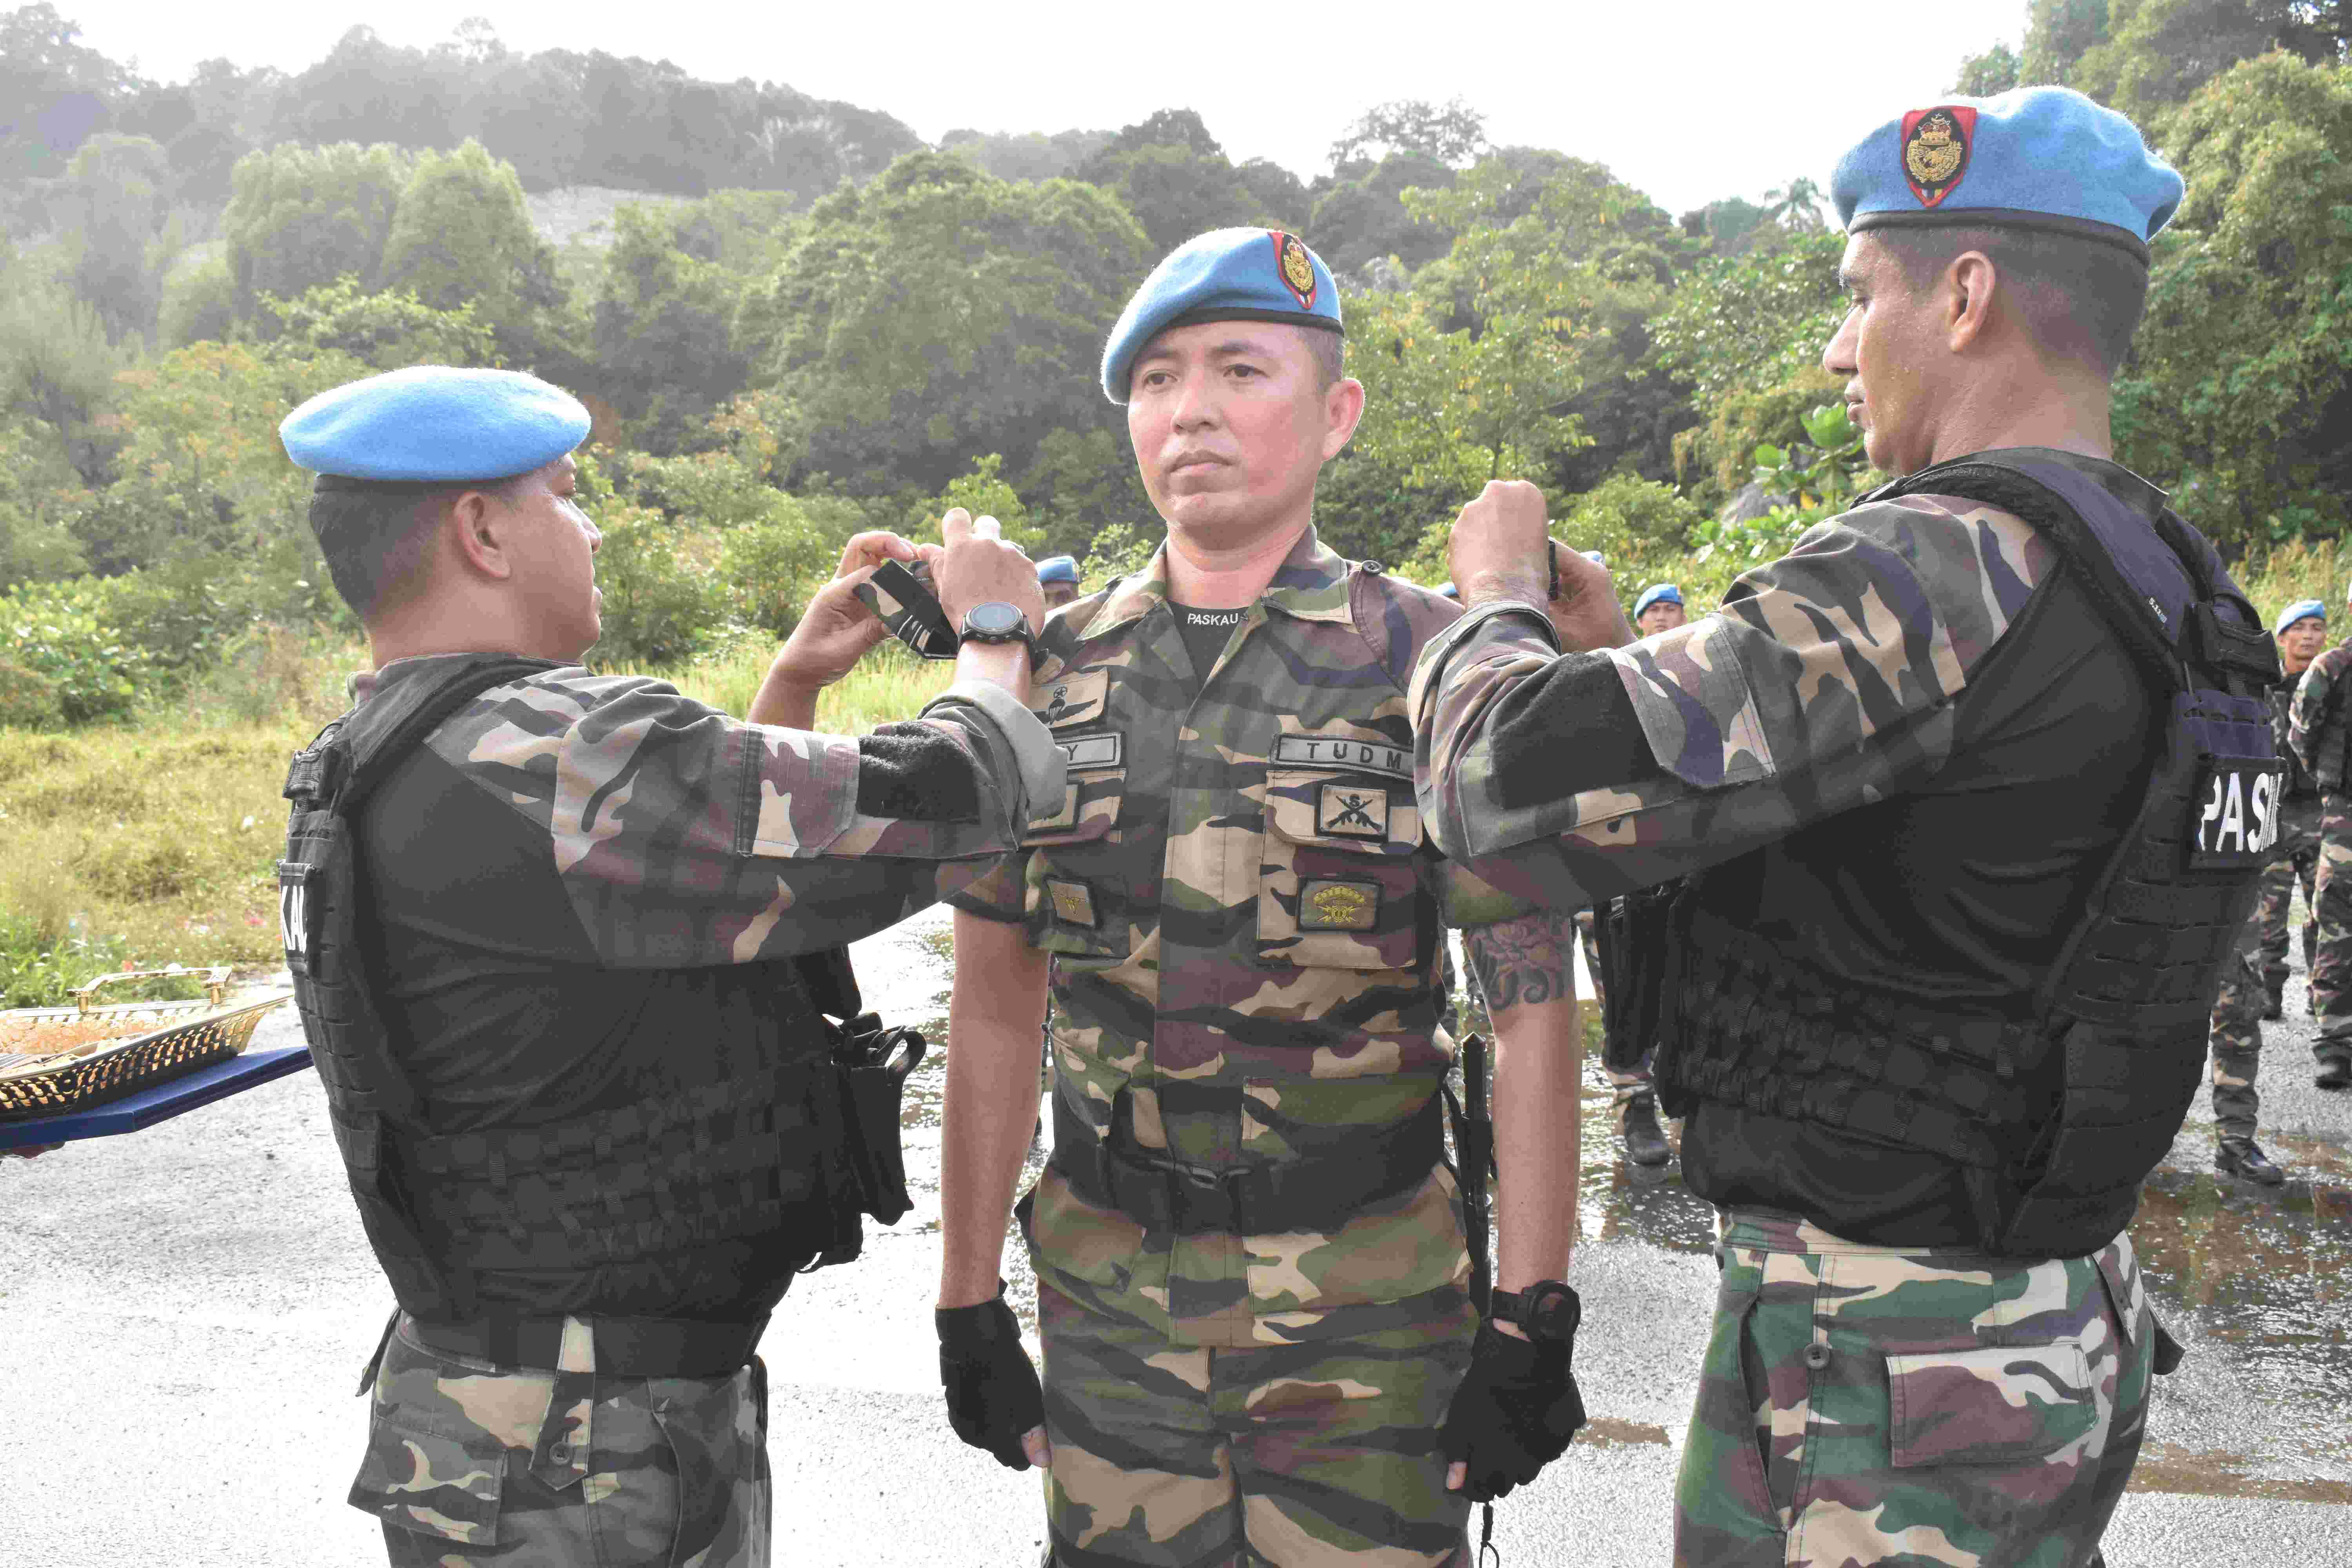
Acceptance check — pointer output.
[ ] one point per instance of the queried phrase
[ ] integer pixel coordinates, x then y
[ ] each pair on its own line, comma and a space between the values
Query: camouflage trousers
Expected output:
1624, 1085
2331, 963
469, 1462
2236, 1036
2298, 861
1320, 1453
1871, 1405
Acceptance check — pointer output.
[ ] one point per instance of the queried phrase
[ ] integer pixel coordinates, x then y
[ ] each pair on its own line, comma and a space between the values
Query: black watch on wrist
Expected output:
998, 622
1547, 1312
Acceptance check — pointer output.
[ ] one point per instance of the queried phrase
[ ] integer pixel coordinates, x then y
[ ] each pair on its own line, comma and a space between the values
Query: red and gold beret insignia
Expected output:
1936, 144
1296, 267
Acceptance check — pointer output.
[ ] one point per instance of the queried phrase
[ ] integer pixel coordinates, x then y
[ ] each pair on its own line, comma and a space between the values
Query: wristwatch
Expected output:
1546, 1311
998, 622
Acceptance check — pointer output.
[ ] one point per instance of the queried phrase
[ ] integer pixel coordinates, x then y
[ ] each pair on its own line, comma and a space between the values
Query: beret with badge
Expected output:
1058, 569
2043, 158
433, 425
1656, 593
1225, 275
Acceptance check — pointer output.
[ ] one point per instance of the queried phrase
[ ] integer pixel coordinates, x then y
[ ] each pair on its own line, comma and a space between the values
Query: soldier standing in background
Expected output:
1966, 800
542, 925
2254, 982
2301, 633
2318, 735
1058, 579
1251, 1264
1659, 609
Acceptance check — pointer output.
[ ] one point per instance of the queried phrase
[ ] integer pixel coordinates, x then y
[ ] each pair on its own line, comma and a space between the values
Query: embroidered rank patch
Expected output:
1353, 811
1337, 751
1092, 751
1297, 270
1339, 906
1072, 699
1936, 145
2235, 814
1064, 819
1074, 902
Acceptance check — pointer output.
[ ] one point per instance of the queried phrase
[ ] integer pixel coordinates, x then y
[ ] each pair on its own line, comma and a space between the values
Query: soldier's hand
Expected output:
1497, 548
1513, 1414
836, 631
978, 567
993, 1398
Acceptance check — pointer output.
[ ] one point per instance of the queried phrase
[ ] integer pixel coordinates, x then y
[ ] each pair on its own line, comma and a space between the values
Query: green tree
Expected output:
2239, 397
386, 331
1452, 133
1176, 193
1983, 75
302, 216
1752, 320
664, 326
58, 369
2160, 52
462, 235
2058, 34
941, 314
114, 203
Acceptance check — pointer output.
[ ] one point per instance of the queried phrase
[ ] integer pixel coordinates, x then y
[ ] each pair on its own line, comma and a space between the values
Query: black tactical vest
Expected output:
756, 1159
2116, 1027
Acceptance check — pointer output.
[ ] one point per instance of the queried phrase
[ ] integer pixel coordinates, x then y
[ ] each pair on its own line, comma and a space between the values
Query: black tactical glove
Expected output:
992, 1394
1513, 1412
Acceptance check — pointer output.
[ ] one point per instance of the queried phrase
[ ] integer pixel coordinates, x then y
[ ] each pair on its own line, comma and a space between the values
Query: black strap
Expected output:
1304, 1195
625, 1347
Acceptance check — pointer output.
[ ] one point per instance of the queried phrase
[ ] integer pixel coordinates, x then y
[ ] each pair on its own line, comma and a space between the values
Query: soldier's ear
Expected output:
1343, 409
480, 534
1970, 285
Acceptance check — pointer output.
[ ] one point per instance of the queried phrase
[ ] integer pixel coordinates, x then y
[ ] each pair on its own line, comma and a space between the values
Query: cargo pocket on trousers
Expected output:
1987, 1406
1338, 885
425, 1481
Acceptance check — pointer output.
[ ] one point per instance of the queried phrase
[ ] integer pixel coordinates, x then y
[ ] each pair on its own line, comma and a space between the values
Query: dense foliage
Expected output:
811, 323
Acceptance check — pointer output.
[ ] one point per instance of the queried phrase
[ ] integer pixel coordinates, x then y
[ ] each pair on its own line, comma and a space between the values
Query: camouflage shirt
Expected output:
1244, 916
2315, 723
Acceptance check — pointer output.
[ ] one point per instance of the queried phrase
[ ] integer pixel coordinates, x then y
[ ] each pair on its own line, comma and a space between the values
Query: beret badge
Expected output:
1297, 271
1936, 150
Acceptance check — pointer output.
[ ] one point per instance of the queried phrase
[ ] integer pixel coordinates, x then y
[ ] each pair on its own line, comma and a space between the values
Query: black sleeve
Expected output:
916, 772
1568, 729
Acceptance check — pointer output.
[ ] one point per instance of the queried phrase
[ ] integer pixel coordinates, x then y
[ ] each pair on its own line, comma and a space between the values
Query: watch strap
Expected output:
1547, 1309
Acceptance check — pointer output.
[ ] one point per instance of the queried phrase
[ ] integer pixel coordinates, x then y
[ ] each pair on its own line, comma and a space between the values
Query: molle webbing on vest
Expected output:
2122, 1009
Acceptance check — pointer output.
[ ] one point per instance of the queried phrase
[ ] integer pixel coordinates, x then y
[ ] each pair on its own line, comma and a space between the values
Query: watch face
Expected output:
996, 619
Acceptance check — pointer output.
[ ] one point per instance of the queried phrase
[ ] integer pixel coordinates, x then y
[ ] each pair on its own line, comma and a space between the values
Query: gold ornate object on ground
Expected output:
58, 1059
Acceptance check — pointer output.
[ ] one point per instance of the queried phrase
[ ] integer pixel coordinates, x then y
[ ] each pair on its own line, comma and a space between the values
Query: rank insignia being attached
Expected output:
1935, 143
1297, 271
1339, 906
1353, 811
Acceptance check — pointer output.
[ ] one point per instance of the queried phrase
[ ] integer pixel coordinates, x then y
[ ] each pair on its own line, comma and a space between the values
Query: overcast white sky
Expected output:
1688, 101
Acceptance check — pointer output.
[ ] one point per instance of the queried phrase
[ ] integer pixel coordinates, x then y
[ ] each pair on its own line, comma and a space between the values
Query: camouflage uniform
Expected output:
1244, 917
2317, 735
1858, 1398
1831, 683
574, 882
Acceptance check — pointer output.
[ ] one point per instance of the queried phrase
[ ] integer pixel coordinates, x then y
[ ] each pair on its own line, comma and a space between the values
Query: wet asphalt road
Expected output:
183, 1312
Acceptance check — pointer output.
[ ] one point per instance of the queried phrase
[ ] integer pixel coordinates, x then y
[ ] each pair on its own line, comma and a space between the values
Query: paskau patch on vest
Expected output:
1326, 905
2235, 813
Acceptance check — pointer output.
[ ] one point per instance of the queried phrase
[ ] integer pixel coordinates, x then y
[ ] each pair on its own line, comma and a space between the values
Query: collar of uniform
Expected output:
2114, 477
364, 684
1310, 585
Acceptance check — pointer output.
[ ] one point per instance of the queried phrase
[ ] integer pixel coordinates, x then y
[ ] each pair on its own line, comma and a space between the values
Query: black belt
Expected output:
625, 1347
1299, 1194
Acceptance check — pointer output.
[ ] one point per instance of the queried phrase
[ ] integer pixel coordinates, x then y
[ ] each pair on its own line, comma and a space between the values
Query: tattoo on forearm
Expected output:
1525, 959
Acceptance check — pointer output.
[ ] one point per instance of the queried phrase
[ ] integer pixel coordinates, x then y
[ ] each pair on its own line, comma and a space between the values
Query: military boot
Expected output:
2240, 1157
2335, 1072
2274, 1004
1645, 1141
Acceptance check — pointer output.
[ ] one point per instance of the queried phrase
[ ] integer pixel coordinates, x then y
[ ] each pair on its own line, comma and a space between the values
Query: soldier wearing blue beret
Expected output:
1659, 609
1254, 1285
1958, 810
1057, 576
551, 935
2320, 738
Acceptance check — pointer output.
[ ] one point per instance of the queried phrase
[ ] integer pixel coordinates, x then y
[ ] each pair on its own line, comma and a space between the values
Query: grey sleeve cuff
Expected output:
1043, 774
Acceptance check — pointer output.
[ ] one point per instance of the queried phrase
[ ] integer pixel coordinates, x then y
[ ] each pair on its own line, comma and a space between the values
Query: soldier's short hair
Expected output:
1331, 351
2082, 299
376, 537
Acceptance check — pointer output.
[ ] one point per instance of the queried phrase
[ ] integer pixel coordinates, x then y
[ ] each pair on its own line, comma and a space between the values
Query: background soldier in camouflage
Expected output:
575, 889
2301, 633
1241, 916
2318, 734
1893, 769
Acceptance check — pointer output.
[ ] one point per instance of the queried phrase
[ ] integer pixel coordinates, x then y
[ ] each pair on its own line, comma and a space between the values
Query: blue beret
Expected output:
1594, 557
1656, 593
1225, 275
1449, 591
2039, 157
2307, 610
1058, 569
435, 424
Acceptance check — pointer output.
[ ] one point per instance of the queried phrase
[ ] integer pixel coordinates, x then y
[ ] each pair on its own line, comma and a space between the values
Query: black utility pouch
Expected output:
872, 1062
